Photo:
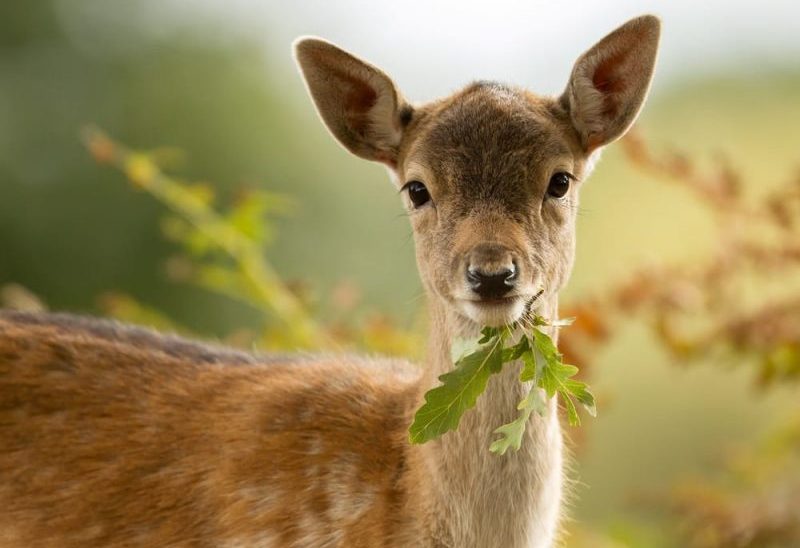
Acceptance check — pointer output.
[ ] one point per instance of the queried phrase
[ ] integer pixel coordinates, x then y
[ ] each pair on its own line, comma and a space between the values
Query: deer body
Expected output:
117, 436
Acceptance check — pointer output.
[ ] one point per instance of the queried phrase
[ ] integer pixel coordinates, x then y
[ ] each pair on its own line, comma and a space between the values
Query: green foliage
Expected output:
511, 433
543, 367
222, 251
445, 404
548, 370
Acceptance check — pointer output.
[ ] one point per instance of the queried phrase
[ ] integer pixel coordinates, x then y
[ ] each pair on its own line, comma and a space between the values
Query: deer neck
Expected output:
486, 499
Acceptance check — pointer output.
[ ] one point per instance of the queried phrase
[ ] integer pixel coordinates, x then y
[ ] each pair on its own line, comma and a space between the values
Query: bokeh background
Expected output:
215, 83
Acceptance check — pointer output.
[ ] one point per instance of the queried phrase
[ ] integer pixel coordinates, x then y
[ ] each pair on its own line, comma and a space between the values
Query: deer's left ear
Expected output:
609, 82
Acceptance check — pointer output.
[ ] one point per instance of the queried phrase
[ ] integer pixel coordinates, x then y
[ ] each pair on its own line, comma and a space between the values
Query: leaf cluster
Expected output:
543, 371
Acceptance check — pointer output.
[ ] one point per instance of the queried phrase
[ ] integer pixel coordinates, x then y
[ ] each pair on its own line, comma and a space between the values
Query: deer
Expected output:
116, 435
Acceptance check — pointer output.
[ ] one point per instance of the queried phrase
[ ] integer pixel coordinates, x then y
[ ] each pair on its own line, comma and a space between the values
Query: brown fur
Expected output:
117, 436
108, 441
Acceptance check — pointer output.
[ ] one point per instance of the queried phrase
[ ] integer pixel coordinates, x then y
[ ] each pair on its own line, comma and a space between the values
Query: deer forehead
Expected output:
489, 142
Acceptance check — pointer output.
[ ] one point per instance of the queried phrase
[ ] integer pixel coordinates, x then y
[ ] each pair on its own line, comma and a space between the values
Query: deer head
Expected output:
490, 175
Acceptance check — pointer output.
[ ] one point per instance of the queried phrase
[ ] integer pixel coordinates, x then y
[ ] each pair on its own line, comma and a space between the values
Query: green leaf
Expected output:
517, 351
542, 364
556, 377
539, 321
581, 392
511, 433
572, 413
531, 369
544, 345
460, 388
488, 333
463, 347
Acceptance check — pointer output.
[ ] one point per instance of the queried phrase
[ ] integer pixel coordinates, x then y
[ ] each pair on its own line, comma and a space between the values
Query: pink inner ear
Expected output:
359, 99
608, 80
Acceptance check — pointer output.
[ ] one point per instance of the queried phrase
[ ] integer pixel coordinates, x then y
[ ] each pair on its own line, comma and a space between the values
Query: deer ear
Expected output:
610, 81
359, 104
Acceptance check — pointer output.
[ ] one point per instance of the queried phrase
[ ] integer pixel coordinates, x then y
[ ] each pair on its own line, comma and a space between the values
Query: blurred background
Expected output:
686, 284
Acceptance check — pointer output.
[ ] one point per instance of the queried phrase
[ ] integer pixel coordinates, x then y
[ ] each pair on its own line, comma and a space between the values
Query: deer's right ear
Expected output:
359, 104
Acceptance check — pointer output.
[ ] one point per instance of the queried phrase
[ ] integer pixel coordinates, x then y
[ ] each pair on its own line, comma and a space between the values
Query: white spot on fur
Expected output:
312, 531
314, 446
349, 496
264, 539
260, 500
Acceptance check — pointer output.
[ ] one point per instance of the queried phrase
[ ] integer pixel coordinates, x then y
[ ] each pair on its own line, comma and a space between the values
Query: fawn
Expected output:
117, 436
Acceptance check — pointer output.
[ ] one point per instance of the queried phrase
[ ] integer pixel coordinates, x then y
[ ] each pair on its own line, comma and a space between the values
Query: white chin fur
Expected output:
494, 315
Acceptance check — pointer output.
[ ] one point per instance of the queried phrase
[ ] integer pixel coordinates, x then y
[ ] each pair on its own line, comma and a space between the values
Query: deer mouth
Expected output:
495, 312
499, 311
500, 301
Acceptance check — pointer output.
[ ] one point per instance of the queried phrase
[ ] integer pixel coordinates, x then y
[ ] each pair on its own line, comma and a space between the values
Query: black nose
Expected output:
493, 285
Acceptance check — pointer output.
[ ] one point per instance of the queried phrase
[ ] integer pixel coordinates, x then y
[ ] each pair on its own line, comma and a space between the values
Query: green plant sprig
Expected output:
542, 366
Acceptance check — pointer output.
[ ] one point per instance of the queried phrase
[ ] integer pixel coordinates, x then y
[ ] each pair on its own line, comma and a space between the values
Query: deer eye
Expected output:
417, 193
559, 184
